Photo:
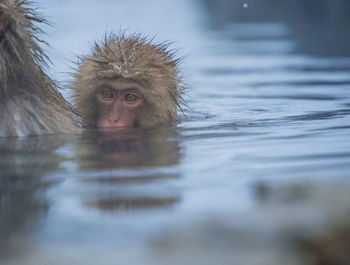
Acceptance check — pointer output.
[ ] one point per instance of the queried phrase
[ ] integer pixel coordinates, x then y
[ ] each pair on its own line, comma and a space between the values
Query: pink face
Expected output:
118, 104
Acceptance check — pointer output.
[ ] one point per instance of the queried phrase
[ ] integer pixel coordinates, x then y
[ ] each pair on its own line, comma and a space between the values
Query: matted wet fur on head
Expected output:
29, 100
131, 58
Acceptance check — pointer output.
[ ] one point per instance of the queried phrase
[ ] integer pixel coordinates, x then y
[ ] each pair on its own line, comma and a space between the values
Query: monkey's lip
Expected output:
108, 124
116, 127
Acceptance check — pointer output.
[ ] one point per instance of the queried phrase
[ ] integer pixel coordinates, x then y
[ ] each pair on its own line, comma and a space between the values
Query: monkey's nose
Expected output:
113, 123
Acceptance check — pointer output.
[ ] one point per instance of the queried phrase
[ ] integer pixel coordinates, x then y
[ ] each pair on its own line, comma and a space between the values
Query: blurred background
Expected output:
257, 171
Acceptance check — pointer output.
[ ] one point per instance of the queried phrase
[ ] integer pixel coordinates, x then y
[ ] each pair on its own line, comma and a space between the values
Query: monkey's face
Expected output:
118, 104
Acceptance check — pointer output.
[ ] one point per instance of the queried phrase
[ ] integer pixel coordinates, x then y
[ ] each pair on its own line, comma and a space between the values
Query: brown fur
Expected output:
136, 59
29, 100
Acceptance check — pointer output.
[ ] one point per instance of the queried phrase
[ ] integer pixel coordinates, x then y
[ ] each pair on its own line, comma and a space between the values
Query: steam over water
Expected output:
269, 105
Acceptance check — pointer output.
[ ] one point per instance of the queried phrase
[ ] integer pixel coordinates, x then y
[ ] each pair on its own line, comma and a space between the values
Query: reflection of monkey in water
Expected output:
23, 186
29, 100
133, 148
126, 82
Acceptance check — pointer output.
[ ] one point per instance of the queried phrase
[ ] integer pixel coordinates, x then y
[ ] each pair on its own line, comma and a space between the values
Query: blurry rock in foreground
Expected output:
290, 224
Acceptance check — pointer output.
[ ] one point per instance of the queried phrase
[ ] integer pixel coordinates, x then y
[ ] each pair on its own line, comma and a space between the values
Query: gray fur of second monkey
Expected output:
30, 102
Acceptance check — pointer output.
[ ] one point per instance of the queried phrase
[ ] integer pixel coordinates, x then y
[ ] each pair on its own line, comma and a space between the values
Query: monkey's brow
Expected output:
131, 87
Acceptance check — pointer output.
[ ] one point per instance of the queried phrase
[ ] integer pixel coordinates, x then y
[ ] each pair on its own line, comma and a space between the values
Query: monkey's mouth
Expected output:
108, 124
116, 129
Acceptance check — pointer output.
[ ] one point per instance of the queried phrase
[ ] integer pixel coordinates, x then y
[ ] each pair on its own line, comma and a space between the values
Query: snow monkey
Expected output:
127, 81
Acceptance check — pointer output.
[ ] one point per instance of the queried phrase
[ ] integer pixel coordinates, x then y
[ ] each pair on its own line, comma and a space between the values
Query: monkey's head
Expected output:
127, 82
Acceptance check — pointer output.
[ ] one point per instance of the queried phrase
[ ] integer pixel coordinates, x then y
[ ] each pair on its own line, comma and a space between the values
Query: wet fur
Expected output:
29, 100
136, 59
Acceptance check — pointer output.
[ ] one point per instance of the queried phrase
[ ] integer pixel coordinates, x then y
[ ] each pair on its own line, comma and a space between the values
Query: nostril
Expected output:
112, 121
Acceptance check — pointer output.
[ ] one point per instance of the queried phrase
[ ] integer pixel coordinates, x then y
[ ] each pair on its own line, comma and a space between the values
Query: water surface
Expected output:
269, 103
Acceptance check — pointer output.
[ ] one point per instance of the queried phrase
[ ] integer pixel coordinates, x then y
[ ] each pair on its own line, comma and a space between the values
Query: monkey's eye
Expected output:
130, 98
107, 93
